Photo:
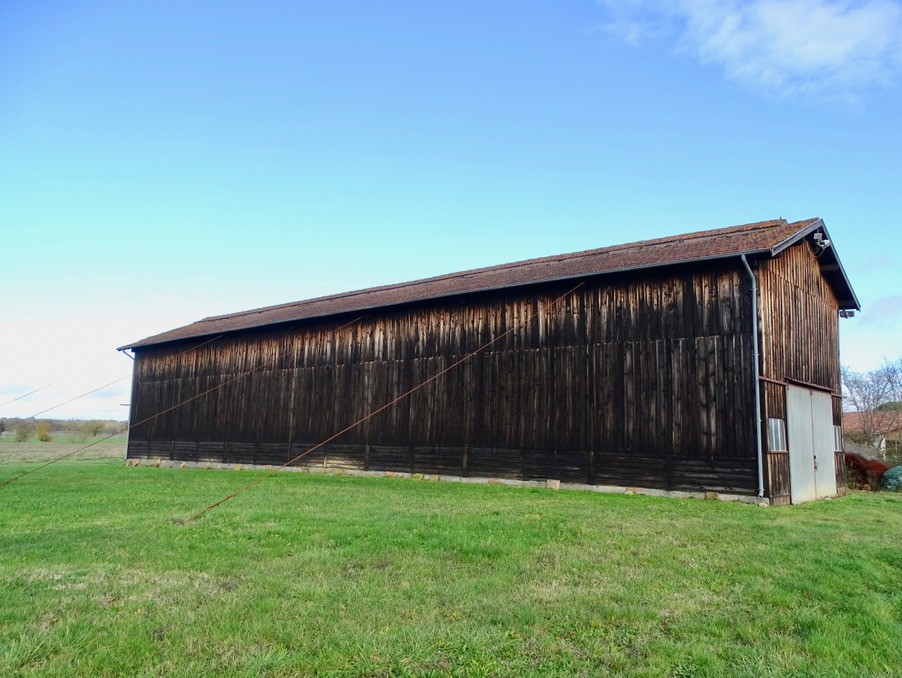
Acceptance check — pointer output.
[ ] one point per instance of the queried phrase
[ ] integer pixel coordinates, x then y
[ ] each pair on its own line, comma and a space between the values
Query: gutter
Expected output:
758, 440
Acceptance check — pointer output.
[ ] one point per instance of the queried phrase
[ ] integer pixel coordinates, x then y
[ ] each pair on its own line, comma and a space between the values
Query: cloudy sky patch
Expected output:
834, 49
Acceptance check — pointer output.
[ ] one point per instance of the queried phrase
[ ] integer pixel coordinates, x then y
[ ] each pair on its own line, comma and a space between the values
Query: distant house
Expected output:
880, 430
707, 361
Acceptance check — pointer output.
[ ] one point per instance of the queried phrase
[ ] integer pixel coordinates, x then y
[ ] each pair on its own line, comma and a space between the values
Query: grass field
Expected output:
100, 448
325, 575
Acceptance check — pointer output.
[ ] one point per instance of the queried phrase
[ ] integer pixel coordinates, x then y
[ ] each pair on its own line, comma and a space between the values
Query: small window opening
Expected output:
776, 435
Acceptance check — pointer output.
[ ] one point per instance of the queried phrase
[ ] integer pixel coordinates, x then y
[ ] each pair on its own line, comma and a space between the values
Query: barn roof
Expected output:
763, 238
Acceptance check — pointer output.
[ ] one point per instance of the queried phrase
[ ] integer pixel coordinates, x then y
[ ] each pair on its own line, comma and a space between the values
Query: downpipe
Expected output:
758, 440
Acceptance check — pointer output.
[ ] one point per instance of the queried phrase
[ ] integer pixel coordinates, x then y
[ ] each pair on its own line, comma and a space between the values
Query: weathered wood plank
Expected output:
649, 370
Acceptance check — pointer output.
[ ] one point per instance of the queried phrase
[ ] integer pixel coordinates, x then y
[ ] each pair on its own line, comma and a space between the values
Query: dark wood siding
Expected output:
800, 343
632, 380
799, 320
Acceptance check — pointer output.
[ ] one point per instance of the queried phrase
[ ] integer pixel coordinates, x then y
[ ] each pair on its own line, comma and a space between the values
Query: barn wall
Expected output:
800, 320
799, 334
636, 380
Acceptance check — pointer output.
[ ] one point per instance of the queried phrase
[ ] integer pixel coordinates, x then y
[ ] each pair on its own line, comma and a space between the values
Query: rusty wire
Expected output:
373, 413
82, 449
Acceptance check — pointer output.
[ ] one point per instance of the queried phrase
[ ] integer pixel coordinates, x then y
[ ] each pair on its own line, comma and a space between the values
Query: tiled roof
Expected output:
883, 421
764, 237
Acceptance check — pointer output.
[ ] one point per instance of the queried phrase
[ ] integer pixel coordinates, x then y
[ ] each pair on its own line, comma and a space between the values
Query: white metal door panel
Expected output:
822, 434
800, 441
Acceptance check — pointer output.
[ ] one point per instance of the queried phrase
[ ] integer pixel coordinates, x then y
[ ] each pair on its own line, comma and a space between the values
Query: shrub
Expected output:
24, 430
892, 479
42, 430
92, 429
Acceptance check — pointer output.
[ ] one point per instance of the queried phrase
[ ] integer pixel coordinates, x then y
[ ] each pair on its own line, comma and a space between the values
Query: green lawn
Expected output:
326, 575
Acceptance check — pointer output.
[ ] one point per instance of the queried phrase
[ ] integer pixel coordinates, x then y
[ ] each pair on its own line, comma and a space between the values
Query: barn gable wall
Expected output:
800, 320
800, 343
639, 380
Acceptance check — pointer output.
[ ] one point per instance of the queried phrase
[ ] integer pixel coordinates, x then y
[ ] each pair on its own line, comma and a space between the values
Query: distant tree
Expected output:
92, 428
111, 428
42, 430
73, 429
24, 429
875, 396
2, 426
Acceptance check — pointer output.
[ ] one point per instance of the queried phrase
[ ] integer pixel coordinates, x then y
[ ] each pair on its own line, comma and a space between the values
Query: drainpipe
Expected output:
757, 380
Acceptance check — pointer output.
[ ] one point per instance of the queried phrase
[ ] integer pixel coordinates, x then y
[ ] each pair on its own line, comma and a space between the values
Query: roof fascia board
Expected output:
797, 236
842, 271
819, 224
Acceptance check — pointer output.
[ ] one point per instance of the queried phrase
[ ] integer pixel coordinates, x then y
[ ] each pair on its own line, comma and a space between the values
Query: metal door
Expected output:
822, 431
812, 472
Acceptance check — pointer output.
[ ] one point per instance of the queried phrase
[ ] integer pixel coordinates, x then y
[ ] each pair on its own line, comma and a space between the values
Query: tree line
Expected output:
877, 398
45, 430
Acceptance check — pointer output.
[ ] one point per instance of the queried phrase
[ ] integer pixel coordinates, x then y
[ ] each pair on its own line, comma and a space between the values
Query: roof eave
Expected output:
146, 343
797, 236
850, 303
845, 295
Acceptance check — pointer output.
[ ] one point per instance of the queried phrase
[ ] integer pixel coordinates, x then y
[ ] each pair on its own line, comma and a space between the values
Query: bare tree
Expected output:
874, 395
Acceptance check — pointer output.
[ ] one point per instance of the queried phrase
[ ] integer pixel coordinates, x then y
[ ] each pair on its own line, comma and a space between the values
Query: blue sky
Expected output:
161, 162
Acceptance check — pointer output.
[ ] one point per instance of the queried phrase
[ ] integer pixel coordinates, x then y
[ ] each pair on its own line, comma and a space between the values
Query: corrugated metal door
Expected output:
809, 417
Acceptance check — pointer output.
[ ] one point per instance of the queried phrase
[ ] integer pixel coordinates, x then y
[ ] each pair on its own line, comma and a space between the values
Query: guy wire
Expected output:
373, 413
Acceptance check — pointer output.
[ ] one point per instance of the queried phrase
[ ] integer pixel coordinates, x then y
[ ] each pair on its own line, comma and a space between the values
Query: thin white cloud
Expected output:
883, 312
831, 48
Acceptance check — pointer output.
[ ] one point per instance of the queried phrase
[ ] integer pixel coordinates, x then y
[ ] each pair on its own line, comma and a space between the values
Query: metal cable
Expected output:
81, 449
372, 414
71, 400
25, 395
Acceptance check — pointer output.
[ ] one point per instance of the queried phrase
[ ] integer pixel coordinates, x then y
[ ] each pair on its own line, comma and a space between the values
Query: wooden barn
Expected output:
700, 362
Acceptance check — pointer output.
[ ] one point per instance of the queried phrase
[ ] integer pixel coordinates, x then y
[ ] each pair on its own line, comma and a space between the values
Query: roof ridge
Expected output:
695, 235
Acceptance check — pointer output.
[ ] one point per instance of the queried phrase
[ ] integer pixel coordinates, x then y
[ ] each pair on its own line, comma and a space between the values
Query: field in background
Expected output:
309, 574
61, 445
